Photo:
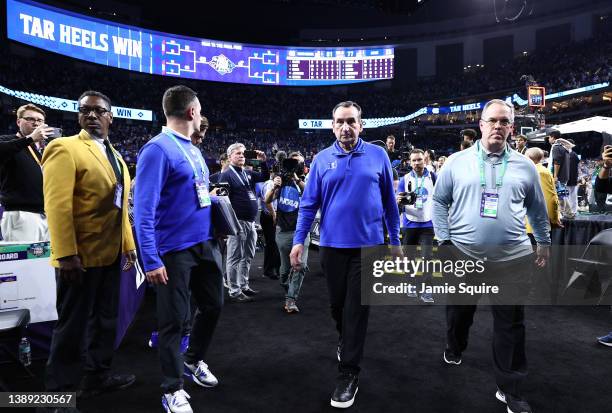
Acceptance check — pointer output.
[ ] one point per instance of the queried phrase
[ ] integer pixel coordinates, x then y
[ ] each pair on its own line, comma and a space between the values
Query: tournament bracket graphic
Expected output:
208, 60
133, 48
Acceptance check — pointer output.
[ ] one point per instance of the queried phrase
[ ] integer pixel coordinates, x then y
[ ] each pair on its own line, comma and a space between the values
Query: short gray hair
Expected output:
535, 154
499, 102
234, 147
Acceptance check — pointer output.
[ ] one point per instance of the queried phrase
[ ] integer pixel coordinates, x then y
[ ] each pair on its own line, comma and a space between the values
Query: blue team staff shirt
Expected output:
354, 191
167, 215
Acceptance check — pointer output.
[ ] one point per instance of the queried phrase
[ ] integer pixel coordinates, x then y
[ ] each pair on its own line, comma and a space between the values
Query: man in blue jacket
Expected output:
172, 215
352, 184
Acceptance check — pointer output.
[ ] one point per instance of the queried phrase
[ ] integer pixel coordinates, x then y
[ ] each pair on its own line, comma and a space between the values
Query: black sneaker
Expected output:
249, 292
513, 404
240, 298
271, 276
347, 385
452, 358
94, 386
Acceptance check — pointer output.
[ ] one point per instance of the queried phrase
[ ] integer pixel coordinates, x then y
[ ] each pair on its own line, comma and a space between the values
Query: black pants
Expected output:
509, 359
198, 269
271, 264
342, 268
424, 238
86, 326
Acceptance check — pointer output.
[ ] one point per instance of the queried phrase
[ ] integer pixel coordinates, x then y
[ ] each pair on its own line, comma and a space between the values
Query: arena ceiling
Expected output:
280, 21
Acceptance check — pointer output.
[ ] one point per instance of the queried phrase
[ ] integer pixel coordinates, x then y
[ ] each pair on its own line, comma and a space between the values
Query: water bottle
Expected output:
25, 352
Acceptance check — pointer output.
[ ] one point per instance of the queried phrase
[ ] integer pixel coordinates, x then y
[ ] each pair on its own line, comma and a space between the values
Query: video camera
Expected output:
409, 197
287, 168
223, 188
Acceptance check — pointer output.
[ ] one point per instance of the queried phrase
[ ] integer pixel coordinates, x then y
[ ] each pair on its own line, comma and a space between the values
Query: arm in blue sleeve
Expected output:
536, 208
442, 199
309, 204
389, 203
151, 175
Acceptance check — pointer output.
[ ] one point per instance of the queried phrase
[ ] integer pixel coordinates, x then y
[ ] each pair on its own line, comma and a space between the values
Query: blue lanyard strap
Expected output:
195, 172
500, 177
416, 178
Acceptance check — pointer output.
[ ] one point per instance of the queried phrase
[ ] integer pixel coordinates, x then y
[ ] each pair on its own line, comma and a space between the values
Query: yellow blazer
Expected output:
79, 188
550, 196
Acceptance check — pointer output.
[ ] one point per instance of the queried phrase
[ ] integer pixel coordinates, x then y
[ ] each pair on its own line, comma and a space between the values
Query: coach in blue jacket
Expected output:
352, 184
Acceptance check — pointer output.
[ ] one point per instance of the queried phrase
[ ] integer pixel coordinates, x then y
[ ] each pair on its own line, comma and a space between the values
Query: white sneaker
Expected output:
201, 374
177, 402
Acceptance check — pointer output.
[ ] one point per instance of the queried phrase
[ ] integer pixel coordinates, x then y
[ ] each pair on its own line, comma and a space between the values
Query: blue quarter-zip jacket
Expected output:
354, 191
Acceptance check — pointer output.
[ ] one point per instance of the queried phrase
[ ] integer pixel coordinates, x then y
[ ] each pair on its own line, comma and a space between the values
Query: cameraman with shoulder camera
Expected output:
287, 190
21, 189
414, 200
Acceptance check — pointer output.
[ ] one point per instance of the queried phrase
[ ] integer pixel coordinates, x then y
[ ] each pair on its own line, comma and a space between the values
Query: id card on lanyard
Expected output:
489, 200
419, 200
201, 188
250, 192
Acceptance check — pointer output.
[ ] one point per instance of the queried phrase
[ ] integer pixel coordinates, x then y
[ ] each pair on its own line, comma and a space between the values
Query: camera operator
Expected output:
287, 191
390, 146
267, 218
21, 189
416, 208
241, 247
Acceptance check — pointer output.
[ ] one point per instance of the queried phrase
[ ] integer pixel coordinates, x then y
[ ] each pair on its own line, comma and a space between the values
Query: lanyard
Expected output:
34, 156
239, 177
195, 172
416, 178
500, 177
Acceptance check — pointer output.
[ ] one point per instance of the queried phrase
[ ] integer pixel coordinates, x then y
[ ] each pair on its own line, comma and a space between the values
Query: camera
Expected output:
409, 197
288, 168
223, 188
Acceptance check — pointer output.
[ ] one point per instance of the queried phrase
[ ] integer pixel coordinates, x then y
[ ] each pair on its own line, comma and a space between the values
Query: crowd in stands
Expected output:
266, 117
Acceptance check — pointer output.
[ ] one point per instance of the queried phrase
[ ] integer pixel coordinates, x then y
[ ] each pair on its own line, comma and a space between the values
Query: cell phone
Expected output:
250, 154
606, 141
57, 132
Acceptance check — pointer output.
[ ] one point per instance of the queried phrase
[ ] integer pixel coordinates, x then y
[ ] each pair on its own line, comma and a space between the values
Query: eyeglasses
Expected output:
99, 111
33, 120
502, 122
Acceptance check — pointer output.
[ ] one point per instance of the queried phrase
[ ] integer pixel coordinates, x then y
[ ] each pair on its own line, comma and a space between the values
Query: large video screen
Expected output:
132, 48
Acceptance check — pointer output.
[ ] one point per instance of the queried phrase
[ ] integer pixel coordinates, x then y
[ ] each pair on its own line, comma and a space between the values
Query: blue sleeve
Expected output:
151, 175
442, 199
389, 202
401, 185
309, 204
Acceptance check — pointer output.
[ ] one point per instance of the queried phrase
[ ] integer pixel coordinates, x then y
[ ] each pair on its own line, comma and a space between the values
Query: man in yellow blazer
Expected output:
86, 186
548, 188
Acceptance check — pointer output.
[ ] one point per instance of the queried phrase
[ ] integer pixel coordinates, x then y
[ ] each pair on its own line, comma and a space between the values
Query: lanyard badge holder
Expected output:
489, 200
201, 188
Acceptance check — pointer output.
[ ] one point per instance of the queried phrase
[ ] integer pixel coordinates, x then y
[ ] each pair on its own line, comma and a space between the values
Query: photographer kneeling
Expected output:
288, 188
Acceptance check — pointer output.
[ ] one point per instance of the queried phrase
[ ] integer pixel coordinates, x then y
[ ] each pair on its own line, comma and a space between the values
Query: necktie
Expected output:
113, 160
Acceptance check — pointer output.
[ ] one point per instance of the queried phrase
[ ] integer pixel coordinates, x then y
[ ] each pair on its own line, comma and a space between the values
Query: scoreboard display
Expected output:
339, 64
133, 48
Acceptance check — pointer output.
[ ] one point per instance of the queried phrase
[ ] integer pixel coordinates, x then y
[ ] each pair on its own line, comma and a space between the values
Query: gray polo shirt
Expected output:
457, 203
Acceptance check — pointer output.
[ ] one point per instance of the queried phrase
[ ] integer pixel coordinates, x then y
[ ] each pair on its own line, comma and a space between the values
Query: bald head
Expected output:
535, 154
